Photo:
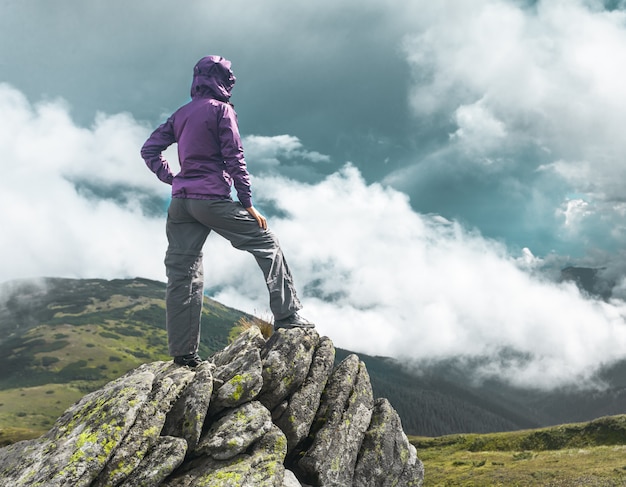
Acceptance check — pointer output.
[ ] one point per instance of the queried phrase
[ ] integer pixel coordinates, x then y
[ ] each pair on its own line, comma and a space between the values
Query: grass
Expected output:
61, 371
246, 322
581, 454
35, 409
61, 339
98, 352
11, 434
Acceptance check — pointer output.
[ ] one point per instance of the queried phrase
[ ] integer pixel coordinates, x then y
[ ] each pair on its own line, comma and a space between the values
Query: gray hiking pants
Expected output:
189, 223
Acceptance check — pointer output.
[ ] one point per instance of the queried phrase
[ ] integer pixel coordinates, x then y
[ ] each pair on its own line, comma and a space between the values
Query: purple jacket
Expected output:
209, 146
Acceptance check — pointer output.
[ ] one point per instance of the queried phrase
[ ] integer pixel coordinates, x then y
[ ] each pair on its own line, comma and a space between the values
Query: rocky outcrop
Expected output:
259, 413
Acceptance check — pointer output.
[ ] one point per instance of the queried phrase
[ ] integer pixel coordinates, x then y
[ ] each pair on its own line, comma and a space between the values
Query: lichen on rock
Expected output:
160, 461
340, 424
187, 416
258, 414
386, 457
235, 431
286, 359
238, 372
296, 414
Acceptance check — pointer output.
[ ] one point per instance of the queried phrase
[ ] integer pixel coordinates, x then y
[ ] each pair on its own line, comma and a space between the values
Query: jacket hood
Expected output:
212, 78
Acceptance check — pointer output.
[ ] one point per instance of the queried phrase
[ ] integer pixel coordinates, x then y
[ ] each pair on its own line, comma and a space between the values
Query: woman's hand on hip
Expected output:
258, 217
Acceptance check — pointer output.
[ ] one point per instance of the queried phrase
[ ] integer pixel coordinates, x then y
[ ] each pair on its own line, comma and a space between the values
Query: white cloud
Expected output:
546, 79
479, 131
528, 261
48, 228
376, 276
392, 282
572, 212
268, 152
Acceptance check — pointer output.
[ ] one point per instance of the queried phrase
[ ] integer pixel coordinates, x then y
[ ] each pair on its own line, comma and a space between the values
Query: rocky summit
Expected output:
274, 412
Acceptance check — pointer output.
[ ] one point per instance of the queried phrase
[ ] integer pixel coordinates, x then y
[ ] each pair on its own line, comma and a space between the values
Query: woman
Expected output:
212, 160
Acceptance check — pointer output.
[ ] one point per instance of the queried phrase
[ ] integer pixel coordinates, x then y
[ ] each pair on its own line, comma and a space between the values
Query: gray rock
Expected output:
290, 480
296, 415
238, 372
186, 418
286, 359
237, 382
267, 459
250, 338
160, 461
343, 417
18, 462
262, 467
226, 423
170, 380
81, 442
235, 432
387, 458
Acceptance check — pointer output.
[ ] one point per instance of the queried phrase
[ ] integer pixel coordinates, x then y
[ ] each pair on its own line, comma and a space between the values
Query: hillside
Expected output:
61, 338
442, 399
581, 454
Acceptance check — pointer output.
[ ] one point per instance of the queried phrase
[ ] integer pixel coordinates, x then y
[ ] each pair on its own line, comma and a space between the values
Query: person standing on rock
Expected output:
211, 161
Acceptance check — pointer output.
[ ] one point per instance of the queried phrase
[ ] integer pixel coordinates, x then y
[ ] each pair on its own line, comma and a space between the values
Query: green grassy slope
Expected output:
580, 454
62, 338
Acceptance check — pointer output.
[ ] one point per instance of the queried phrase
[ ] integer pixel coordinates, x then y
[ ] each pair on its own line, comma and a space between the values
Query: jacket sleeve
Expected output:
232, 153
152, 149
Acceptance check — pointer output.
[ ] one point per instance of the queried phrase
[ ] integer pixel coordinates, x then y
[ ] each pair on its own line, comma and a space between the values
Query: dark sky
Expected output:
499, 114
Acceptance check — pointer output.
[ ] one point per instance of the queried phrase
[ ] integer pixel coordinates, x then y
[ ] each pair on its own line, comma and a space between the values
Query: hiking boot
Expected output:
189, 360
293, 321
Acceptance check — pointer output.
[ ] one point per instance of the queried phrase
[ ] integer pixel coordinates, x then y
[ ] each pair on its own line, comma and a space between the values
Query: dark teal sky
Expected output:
379, 84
